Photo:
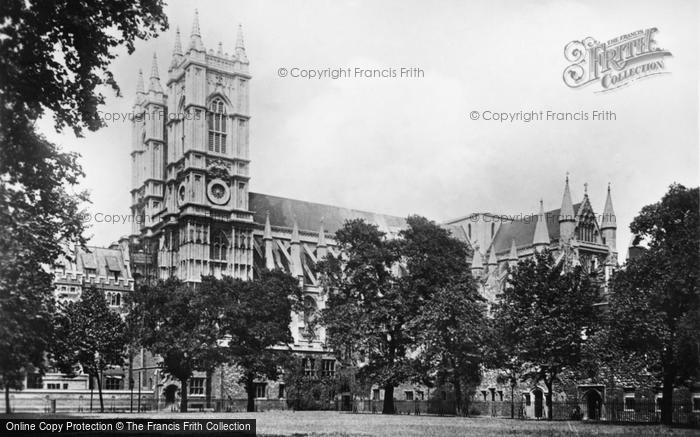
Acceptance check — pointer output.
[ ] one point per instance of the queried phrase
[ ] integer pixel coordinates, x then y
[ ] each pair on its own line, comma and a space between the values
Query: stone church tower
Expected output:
190, 161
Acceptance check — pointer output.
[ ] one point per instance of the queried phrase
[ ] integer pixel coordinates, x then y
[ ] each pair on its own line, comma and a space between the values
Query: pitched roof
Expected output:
102, 260
308, 215
523, 231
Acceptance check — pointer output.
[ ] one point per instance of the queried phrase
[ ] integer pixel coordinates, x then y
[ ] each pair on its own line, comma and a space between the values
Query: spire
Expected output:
195, 37
322, 236
513, 255
267, 239
155, 77
295, 233
541, 237
321, 246
492, 257
267, 235
477, 264
139, 83
609, 221
195, 24
239, 38
177, 50
240, 46
295, 252
566, 213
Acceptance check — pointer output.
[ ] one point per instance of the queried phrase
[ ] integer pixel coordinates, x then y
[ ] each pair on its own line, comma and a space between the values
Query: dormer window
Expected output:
217, 126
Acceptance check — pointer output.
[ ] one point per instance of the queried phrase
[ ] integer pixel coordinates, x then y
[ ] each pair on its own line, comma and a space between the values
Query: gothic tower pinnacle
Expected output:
195, 36
177, 50
567, 219
541, 237
154, 84
608, 225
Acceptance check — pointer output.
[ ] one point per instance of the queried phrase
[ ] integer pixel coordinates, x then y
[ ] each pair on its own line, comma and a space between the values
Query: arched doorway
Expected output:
169, 393
594, 403
539, 396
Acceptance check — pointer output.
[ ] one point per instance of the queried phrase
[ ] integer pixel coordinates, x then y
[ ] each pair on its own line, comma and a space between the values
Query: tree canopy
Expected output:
54, 60
655, 299
398, 305
545, 314
183, 325
89, 334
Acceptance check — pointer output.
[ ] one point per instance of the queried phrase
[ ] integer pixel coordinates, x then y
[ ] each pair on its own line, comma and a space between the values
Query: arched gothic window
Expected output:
310, 308
219, 247
217, 126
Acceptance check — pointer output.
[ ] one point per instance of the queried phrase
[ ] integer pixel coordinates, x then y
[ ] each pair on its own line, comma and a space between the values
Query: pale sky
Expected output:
408, 146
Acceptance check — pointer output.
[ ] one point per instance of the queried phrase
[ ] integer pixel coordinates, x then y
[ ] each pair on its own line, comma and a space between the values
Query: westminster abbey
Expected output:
191, 192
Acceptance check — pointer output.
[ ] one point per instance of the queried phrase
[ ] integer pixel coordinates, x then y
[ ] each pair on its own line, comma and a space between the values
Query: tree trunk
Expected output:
183, 395
250, 391
207, 388
667, 393
388, 406
458, 397
99, 392
7, 399
131, 381
548, 399
512, 401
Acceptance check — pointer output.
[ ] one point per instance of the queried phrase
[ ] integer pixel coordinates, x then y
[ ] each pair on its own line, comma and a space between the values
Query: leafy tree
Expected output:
257, 321
402, 306
501, 352
452, 338
366, 312
37, 212
548, 312
53, 56
655, 299
182, 324
449, 313
88, 333
307, 392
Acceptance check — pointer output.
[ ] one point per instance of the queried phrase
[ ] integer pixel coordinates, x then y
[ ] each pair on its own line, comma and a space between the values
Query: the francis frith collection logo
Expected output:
616, 62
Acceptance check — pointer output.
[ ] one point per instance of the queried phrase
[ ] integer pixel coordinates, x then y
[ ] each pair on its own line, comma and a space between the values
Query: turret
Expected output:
296, 267
240, 46
477, 266
608, 226
513, 255
140, 90
321, 247
567, 219
493, 261
177, 51
267, 239
196, 43
541, 238
155, 91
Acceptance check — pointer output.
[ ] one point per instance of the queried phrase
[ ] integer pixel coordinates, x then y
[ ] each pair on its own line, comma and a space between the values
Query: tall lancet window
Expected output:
219, 247
217, 126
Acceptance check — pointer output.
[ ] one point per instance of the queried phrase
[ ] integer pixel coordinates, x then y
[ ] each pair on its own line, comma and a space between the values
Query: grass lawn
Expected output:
329, 423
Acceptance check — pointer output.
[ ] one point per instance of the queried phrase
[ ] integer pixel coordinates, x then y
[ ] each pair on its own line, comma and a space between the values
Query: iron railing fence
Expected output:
415, 407
612, 411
